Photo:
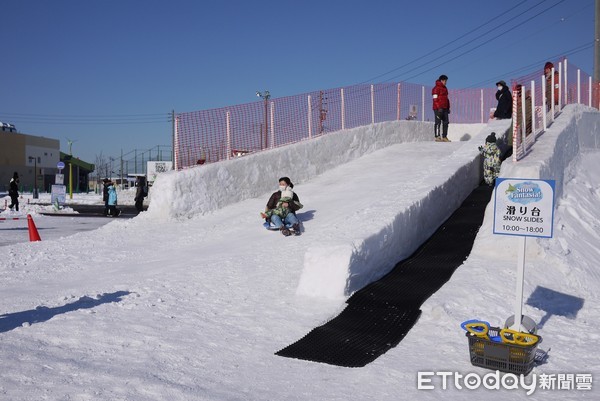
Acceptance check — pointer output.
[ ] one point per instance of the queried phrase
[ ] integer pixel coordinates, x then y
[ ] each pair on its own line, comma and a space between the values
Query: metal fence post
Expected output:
562, 89
343, 109
533, 108
398, 104
372, 104
515, 123
552, 86
544, 103
272, 125
422, 103
523, 130
590, 91
228, 132
176, 165
309, 117
578, 86
481, 105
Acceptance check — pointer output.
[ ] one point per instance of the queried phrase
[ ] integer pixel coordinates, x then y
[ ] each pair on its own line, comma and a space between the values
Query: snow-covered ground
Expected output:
190, 300
14, 227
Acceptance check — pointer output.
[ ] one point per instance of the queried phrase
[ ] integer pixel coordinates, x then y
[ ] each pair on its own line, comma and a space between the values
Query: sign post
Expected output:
57, 197
525, 208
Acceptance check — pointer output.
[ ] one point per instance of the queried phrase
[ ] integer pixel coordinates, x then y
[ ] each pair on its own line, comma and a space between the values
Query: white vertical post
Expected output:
343, 110
309, 117
523, 120
422, 103
520, 278
398, 104
175, 142
578, 86
272, 125
228, 128
552, 86
590, 91
533, 108
544, 103
481, 105
515, 124
563, 88
372, 104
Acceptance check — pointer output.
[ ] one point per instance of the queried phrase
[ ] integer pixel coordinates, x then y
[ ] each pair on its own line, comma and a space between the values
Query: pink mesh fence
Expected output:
208, 136
537, 101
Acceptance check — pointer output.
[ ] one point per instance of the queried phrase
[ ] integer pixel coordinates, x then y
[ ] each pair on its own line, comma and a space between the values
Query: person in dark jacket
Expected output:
441, 109
106, 182
13, 192
282, 216
504, 98
140, 193
290, 220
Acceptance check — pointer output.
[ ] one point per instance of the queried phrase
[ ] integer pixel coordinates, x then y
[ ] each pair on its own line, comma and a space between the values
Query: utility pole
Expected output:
266, 96
322, 111
121, 168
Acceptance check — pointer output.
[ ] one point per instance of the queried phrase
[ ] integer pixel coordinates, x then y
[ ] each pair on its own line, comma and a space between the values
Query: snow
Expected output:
190, 300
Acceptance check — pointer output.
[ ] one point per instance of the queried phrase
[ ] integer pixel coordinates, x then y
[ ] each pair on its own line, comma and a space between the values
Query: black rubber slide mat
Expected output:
380, 315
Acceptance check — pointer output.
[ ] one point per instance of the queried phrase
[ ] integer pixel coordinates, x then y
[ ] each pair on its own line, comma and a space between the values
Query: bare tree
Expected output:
101, 166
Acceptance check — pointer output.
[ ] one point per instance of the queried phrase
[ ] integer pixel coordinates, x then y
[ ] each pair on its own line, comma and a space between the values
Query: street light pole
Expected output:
266, 96
34, 190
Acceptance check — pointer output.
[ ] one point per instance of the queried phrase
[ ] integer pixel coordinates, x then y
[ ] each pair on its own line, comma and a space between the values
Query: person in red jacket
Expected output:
441, 109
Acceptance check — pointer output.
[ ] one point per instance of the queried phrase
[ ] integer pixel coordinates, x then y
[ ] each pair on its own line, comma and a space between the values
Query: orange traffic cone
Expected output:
33, 232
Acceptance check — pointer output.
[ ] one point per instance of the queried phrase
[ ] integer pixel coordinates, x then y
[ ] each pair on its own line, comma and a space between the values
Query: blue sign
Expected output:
60, 165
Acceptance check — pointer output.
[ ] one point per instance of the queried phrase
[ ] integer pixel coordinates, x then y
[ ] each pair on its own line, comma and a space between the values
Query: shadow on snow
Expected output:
11, 321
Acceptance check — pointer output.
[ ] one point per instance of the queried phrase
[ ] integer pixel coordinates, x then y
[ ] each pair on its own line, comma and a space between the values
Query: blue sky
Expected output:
107, 73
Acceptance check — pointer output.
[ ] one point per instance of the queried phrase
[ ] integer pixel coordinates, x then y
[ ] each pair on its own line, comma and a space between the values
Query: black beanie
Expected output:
491, 138
443, 78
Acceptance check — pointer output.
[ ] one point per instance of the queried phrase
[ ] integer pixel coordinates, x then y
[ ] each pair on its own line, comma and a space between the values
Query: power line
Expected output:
479, 45
453, 41
536, 64
86, 119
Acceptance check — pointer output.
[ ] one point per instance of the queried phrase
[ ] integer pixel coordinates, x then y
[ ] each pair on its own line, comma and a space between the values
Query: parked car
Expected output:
7, 127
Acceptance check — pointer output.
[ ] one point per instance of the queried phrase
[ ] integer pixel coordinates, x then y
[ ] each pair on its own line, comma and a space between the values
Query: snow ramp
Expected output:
379, 316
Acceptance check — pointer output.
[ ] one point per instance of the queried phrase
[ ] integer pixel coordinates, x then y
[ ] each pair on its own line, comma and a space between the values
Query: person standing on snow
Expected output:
504, 98
441, 109
105, 183
290, 220
140, 193
13, 191
491, 159
112, 201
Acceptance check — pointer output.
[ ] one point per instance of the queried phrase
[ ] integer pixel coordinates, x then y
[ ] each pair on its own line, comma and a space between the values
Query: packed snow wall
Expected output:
336, 268
576, 129
205, 188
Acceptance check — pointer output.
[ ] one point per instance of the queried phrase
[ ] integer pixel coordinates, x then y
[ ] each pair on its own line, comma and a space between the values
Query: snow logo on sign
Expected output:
524, 193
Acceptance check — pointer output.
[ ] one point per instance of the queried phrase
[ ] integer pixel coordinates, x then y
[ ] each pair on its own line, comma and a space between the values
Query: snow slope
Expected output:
190, 300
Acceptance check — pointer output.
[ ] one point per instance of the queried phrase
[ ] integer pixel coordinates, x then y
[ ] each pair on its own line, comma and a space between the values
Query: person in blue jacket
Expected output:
112, 201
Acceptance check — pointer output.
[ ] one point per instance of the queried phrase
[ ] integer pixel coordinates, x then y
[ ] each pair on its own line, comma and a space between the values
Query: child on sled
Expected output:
283, 216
